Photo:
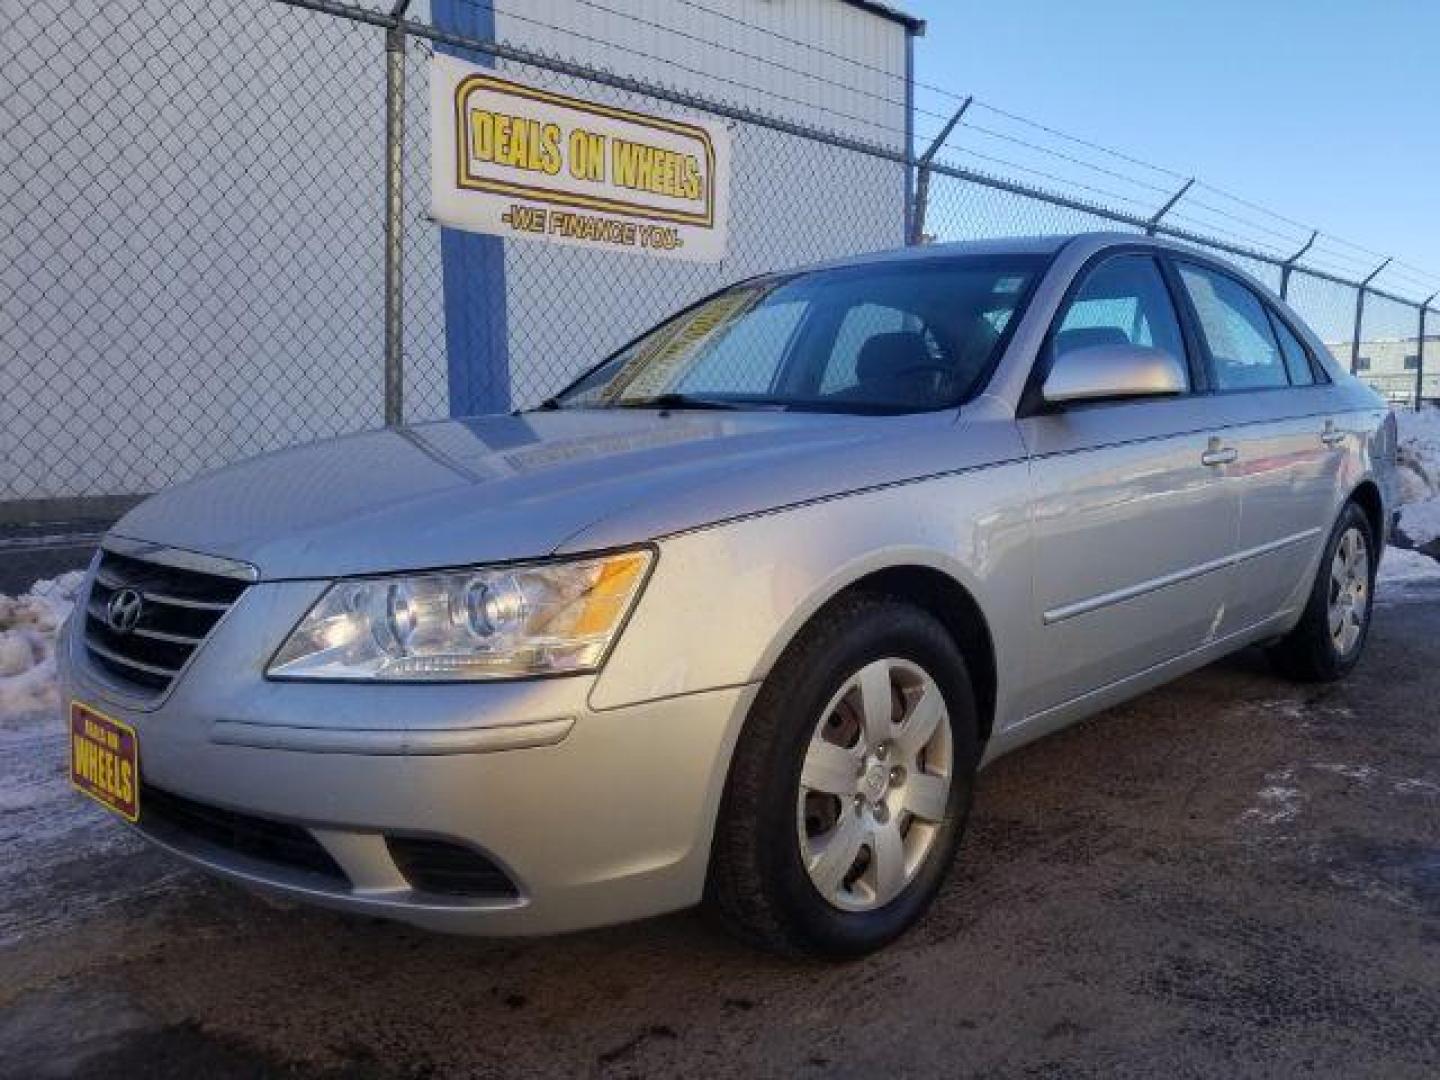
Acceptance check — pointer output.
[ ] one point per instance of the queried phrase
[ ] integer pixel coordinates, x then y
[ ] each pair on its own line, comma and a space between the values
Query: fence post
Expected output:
1289, 264
1360, 315
922, 174
1154, 222
1355, 336
394, 216
1420, 354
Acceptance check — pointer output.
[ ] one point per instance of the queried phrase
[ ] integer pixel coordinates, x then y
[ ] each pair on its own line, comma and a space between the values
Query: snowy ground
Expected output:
43, 824
1420, 474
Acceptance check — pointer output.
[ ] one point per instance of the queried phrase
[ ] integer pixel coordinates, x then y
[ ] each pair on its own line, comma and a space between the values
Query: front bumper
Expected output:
595, 816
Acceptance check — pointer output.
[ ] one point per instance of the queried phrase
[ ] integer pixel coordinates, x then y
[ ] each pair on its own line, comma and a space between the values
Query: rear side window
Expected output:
1122, 301
1237, 331
1297, 357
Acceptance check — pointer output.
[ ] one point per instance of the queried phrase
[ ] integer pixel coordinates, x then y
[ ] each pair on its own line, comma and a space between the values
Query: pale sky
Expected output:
1326, 111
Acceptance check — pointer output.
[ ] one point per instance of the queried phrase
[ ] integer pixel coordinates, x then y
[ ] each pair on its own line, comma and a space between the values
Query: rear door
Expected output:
1134, 526
1286, 466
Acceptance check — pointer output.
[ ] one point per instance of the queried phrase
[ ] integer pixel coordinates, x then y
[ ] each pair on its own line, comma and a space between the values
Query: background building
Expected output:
1392, 364
192, 198
852, 73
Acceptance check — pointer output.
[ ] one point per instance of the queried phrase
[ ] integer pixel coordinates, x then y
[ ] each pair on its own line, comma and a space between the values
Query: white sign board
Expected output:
523, 161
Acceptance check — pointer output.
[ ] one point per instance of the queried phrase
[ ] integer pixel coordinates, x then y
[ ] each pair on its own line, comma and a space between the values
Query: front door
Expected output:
1134, 523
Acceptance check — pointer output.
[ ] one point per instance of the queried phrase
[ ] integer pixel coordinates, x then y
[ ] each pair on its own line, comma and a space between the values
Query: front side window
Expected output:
1123, 301
1236, 330
887, 337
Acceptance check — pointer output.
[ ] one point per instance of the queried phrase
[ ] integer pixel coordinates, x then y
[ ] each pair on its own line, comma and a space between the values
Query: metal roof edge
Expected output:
915, 25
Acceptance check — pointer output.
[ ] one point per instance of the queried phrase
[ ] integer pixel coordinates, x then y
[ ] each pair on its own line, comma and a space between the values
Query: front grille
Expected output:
173, 817
446, 869
178, 609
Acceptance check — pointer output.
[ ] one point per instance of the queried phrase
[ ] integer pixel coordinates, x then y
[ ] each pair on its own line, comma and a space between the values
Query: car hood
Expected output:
516, 487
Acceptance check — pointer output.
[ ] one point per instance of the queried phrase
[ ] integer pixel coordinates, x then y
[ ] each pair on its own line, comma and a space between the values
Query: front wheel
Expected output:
1331, 634
850, 785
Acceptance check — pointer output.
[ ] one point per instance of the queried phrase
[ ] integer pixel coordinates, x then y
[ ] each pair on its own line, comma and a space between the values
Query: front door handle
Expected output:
1217, 453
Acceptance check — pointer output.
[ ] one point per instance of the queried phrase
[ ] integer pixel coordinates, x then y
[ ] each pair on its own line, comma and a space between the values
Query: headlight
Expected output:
497, 623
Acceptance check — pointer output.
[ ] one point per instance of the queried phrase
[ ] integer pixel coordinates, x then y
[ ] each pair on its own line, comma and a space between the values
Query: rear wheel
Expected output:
1331, 634
850, 785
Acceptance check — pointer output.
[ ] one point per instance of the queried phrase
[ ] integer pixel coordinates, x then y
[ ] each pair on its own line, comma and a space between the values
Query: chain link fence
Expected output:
193, 267
170, 299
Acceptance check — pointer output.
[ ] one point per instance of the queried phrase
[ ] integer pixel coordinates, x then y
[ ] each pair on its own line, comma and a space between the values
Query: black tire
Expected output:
1309, 653
758, 885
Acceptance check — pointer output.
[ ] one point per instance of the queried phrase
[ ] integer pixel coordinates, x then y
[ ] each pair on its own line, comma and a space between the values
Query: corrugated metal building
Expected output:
830, 64
193, 217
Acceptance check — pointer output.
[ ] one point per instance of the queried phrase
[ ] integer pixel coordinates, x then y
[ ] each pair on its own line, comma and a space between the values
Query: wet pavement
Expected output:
1231, 875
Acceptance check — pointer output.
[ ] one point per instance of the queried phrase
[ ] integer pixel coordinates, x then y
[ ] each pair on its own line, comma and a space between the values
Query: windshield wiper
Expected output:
550, 404
685, 401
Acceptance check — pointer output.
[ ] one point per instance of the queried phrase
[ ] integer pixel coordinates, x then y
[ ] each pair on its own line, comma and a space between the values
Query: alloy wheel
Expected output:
875, 785
1349, 591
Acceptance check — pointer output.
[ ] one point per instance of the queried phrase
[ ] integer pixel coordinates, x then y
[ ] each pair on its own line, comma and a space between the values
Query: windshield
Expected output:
886, 337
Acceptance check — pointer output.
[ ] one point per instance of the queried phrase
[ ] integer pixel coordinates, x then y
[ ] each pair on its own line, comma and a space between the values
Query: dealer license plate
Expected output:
105, 760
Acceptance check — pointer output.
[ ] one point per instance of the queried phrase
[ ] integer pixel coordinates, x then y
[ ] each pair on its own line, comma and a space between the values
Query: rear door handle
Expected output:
1331, 436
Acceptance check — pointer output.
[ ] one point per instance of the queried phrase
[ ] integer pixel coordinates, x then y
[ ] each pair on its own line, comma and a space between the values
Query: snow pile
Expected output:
1421, 521
28, 625
1419, 459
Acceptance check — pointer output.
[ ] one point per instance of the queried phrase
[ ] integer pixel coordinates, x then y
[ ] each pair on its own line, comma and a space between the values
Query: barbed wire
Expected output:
765, 92
754, 57
1204, 227
1423, 277
1291, 240
1015, 166
1061, 155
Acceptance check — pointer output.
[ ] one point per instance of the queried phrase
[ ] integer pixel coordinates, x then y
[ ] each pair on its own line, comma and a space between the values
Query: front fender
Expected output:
723, 602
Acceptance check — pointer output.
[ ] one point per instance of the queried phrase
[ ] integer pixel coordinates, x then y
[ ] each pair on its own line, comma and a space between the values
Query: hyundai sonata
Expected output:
737, 616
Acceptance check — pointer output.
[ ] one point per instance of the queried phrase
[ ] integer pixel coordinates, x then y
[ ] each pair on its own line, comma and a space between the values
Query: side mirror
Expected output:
1098, 372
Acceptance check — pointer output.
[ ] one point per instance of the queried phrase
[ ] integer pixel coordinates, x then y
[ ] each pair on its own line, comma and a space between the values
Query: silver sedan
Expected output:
737, 617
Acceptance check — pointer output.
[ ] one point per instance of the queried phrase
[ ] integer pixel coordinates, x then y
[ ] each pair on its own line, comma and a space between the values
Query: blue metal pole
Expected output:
477, 345
909, 133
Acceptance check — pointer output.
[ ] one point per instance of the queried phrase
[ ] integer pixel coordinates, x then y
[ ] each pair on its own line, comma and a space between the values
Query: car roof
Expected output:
1090, 242
1009, 245
1081, 245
